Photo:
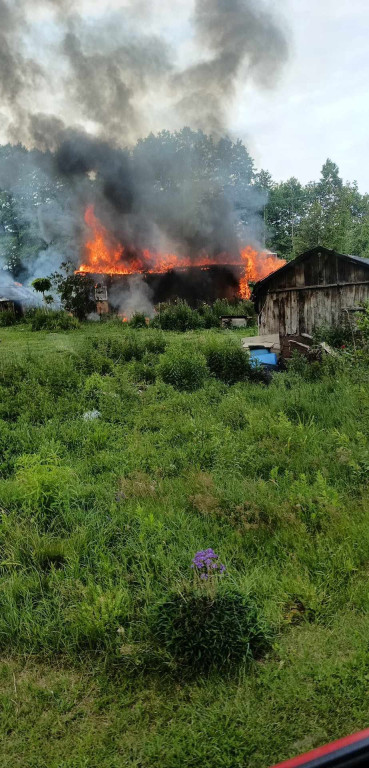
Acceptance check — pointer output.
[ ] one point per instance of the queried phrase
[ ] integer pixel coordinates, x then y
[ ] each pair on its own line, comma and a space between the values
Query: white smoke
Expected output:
14, 291
134, 298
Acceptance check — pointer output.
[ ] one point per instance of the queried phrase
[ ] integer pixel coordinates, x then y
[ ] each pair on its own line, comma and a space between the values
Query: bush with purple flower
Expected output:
210, 624
206, 564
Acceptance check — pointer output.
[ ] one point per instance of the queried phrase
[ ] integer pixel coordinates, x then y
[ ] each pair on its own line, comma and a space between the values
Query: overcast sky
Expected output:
320, 108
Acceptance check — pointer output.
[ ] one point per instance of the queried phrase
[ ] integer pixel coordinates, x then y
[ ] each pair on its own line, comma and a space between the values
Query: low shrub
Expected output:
138, 320
155, 342
183, 369
228, 362
223, 307
314, 370
178, 317
91, 360
49, 320
309, 371
203, 631
7, 318
129, 347
144, 371
336, 335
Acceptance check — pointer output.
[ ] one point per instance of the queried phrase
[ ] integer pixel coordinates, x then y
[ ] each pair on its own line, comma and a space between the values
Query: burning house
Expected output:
121, 273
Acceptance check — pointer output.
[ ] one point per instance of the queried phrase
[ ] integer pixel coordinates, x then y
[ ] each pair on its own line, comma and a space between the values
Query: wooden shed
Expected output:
319, 287
6, 305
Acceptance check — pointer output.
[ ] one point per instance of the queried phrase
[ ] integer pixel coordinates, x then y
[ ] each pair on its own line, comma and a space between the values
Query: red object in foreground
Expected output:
350, 752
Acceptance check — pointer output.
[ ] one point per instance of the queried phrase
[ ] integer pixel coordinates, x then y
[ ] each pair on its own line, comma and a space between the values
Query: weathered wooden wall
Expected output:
6, 306
312, 293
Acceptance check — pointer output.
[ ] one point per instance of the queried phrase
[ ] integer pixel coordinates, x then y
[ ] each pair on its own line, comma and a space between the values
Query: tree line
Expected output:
328, 212
287, 217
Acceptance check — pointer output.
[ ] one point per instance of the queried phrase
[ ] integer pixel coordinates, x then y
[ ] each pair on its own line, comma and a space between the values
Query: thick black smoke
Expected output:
81, 87
241, 38
103, 69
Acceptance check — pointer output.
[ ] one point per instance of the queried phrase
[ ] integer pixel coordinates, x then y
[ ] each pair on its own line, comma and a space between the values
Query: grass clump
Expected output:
96, 617
50, 320
41, 490
7, 318
227, 361
183, 369
204, 631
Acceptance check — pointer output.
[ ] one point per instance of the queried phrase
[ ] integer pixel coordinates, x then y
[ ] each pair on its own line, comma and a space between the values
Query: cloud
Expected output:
101, 70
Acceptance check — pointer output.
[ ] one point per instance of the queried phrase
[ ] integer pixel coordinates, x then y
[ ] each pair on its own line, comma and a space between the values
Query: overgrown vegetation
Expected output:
7, 317
100, 522
40, 319
179, 316
176, 316
50, 320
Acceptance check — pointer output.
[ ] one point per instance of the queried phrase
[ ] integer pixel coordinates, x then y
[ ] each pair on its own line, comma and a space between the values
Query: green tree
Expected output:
283, 215
10, 233
42, 284
357, 235
327, 214
75, 290
333, 202
310, 231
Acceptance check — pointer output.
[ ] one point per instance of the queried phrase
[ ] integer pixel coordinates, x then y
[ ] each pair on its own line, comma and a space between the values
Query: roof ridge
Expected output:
304, 254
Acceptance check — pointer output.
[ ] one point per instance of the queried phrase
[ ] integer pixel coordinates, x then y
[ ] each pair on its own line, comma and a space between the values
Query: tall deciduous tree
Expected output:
284, 213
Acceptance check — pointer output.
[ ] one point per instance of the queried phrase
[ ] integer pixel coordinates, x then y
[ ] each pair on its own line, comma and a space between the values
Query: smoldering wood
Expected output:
317, 289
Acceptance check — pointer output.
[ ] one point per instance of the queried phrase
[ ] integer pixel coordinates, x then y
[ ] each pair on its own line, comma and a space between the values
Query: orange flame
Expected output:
105, 255
258, 264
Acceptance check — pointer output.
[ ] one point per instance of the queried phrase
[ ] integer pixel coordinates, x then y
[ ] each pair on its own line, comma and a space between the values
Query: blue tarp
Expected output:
262, 357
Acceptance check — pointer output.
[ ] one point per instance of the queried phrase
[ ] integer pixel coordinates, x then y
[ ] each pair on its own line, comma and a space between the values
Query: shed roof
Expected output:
306, 255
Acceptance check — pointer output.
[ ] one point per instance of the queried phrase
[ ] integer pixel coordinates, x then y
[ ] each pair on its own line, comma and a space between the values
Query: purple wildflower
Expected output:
206, 562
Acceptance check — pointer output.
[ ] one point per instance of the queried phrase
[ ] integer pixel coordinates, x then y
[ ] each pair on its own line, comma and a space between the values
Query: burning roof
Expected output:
105, 255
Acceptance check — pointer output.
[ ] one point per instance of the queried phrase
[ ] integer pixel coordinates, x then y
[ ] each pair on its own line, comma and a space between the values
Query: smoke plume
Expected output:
240, 38
80, 85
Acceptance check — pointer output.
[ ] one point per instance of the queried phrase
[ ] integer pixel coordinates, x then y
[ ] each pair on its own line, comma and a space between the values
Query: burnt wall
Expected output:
194, 284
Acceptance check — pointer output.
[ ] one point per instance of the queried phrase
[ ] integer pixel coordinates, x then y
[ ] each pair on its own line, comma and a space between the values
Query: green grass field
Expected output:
100, 520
